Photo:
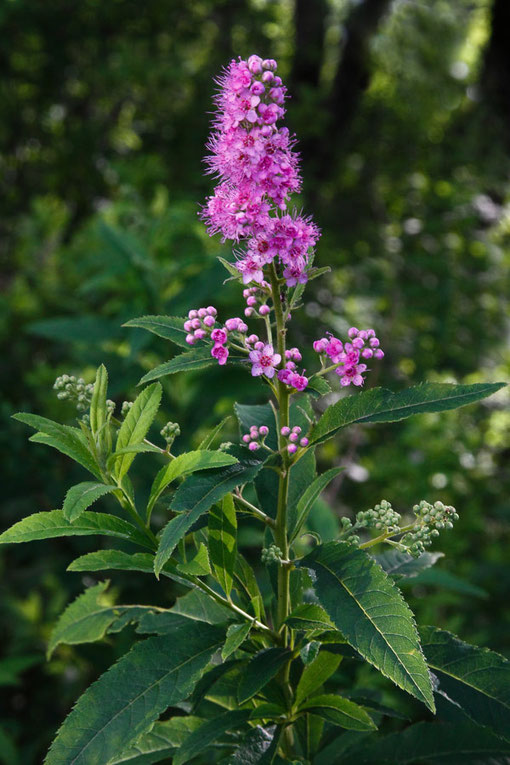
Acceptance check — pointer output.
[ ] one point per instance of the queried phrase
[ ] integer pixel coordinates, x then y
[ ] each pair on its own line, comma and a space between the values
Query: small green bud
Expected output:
170, 432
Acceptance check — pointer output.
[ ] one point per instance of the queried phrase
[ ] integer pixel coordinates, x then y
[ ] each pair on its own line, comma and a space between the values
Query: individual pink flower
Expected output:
264, 361
220, 353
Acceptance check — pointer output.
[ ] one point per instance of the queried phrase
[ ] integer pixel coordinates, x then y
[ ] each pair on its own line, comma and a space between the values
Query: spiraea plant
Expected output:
310, 655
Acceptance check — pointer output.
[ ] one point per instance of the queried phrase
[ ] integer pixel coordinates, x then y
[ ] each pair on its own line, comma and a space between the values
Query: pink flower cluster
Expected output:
256, 437
292, 435
256, 298
200, 324
364, 345
258, 171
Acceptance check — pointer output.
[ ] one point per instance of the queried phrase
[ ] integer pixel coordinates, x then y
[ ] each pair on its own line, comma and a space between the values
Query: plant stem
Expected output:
254, 510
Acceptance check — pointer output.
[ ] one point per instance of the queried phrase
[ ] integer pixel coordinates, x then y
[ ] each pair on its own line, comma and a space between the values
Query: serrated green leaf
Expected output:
90, 617
98, 402
183, 464
198, 358
207, 442
196, 495
168, 327
117, 560
208, 733
136, 425
210, 678
201, 607
222, 529
199, 565
247, 581
339, 711
431, 742
258, 747
476, 679
261, 669
115, 710
400, 564
316, 673
380, 405
257, 414
309, 616
160, 742
70, 441
51, 524
369, 610
236, 635
308, 498
318, 385
82, 496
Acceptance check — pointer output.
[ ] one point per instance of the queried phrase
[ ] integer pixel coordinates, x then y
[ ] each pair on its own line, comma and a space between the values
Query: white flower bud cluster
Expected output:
382, 517
431, 519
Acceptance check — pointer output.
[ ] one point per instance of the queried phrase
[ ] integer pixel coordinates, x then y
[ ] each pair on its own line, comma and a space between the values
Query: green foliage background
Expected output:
405, 143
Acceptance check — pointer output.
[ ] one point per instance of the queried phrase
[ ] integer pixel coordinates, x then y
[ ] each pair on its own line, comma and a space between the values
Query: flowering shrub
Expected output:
245, 667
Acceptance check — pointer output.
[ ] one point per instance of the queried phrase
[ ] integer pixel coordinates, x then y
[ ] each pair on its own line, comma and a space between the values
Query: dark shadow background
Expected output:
402, 110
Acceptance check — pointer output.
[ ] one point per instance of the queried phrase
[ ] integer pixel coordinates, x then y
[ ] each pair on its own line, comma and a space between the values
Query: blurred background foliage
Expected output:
403, 115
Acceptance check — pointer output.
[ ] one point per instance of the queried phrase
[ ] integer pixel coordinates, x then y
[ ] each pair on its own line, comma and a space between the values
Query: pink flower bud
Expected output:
242, 327
353, 332
358, 342
187, 326
251, 301
192, 314
248, 312
269, 63
292, 448
252, 339
196, 323
293, 437
320, 346
211, 310
253, 446
263, 430
296, 354
209, 321
367, 353
202, 312
255, 64
304, 442
259, 345
257, 88
374, 342
219, 336
190, 340
264, 310
378, 354
199, 334
246, 438
267, 77
285, 431
246, 293
296, 429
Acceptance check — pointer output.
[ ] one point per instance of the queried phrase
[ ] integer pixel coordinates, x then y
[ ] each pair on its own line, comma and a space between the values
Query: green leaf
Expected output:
258, 747
199, 565
310, 495
168, 327
198, 358
115, 710
439, 577
121, 561
82, 496
136, 425
89, 618
52, 524
309, 616
183, 464
432, 742
257, 414
318, 385
196, 495
159, 743
208, 733
232, 270
261, 669
369, 610
98, 402
69, 441
246, 580
309, 651
339, 711
400, 564
201, 607
236, 635
380, 405
315, 674
207, 442
222, 529
476, 679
